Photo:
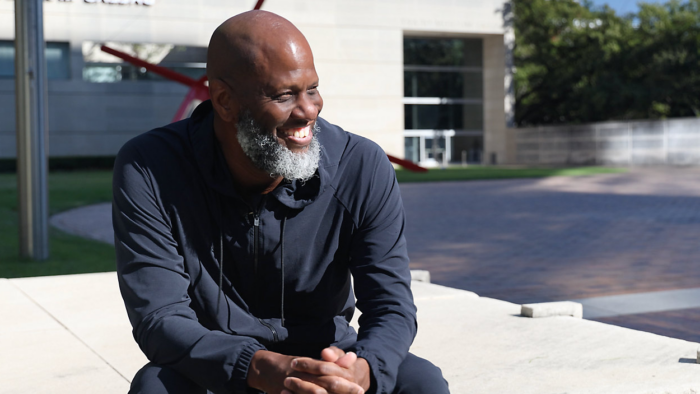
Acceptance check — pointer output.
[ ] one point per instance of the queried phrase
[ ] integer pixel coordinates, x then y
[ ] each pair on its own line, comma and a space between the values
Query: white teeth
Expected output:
299, 133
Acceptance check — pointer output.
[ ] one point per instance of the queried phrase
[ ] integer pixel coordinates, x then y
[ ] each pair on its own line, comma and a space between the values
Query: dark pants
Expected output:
416, 376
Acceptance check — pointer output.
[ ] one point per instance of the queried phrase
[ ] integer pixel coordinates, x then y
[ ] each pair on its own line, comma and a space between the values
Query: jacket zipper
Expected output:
256, 232
269, 326
256, 235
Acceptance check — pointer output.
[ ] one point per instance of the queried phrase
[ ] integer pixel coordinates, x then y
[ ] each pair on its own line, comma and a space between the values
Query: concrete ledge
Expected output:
42, 355
420, 276
549, 309
70, 334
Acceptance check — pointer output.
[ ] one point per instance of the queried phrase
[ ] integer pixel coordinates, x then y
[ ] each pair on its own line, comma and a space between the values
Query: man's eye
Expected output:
282, 97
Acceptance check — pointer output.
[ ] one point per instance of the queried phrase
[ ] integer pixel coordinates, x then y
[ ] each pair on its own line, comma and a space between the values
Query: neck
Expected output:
248, 179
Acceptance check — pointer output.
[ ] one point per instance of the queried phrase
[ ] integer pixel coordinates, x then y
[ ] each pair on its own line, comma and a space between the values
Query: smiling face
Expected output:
264, 87
282, 96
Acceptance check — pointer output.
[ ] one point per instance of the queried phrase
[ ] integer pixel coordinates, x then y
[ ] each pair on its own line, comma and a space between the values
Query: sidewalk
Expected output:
70, 334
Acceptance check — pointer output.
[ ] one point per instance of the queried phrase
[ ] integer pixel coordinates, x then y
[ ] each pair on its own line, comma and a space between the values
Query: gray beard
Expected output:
270, 156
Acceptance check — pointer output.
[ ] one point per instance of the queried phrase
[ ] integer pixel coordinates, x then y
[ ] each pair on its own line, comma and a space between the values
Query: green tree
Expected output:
669, 53
576, 64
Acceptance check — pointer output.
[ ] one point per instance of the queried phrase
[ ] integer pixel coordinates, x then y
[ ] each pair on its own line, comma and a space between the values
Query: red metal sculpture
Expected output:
198, 87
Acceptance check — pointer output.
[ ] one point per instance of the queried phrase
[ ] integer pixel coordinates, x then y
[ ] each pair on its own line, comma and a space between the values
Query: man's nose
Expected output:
307, 106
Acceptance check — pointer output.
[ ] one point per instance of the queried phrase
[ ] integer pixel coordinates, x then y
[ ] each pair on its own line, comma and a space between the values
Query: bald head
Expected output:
263, 87
246, 44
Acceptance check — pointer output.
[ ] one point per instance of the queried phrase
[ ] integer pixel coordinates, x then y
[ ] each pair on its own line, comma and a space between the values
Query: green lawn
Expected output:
72, 255
69, 254
483, 173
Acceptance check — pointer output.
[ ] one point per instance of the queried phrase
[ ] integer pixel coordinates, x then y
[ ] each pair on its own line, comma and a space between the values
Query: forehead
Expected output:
285, 63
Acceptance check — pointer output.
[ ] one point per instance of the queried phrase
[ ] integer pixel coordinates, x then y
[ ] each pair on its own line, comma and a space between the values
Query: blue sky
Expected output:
624, 6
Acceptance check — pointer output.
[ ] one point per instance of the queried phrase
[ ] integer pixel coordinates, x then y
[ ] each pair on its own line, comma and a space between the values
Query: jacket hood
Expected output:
293, 194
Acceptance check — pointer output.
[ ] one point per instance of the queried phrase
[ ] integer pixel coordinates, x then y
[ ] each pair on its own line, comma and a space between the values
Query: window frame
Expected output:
446, 134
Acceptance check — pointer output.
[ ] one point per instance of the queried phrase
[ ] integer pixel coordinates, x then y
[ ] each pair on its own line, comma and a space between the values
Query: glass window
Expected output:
443, 84
433, 117
467, 149
412, 149
109, 73
455, 52
444, 117
7, 59
435, 148
57, 55
101, 67
473, 117
102, 73
433, 84
443, 99
58, 60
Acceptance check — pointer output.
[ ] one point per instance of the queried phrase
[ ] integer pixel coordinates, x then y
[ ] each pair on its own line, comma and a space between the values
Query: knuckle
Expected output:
334, 385
323, 369
347, 375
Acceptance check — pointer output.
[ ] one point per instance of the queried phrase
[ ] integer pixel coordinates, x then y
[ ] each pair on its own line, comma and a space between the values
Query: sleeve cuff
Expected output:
376, 372
240, 370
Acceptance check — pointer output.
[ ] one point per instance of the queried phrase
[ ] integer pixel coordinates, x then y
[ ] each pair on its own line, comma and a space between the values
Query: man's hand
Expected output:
276, 373
358, 366
352, 369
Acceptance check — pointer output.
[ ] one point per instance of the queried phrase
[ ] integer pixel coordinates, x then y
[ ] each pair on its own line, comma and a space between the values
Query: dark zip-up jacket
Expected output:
285, 258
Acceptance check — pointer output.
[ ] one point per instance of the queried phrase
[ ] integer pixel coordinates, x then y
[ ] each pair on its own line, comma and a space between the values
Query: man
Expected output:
237, 230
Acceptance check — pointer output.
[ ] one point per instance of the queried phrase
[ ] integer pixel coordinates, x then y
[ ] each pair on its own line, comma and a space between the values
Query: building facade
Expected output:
426, 80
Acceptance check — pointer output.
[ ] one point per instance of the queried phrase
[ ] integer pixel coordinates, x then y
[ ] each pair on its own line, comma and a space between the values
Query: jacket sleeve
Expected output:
379, 265
154, 284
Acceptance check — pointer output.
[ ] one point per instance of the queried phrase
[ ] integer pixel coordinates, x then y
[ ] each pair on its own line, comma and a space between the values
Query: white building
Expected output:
427, 80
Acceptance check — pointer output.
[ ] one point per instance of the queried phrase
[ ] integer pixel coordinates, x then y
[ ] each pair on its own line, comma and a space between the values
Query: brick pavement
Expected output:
678, 324
560, 238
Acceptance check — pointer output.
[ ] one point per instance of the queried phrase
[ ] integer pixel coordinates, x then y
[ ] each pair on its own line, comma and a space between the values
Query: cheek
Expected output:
319, 103
275, 117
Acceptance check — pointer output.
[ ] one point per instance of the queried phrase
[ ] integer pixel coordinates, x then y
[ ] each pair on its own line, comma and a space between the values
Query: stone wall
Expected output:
663, 142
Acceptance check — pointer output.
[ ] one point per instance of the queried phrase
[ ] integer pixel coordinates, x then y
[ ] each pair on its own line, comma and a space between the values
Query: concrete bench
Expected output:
70, 334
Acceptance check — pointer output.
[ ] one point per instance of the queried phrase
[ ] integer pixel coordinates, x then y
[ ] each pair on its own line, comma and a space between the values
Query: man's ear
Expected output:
221, 98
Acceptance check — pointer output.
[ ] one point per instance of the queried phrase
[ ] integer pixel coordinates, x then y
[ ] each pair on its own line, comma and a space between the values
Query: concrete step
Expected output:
70, 334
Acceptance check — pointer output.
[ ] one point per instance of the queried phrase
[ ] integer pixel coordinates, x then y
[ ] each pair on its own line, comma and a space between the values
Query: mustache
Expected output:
267, 154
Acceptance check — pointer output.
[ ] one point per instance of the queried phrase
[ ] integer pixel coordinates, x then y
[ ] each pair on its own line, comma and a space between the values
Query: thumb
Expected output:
331, 354
347, 360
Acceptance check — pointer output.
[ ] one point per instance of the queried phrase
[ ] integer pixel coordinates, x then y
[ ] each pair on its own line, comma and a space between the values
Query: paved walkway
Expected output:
550, 239
92, 221
559, 238
70, 334
639, 303
566, 238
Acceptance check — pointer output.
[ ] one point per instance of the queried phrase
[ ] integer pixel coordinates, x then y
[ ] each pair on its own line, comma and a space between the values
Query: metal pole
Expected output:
32, 129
